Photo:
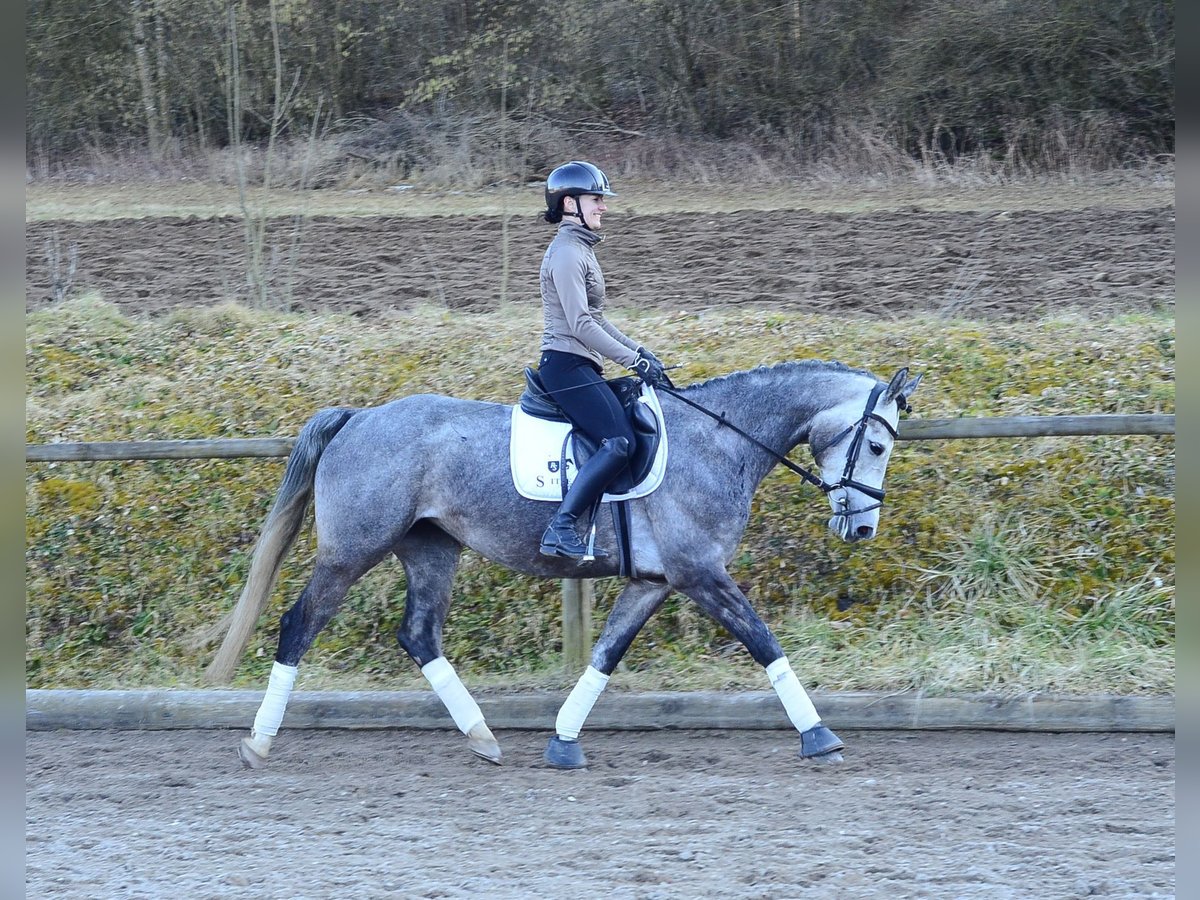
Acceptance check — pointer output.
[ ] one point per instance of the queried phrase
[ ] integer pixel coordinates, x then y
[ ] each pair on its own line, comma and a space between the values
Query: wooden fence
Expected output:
576, 593
910, 430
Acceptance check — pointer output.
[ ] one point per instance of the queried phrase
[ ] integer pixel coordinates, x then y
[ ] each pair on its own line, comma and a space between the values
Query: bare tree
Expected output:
145, 78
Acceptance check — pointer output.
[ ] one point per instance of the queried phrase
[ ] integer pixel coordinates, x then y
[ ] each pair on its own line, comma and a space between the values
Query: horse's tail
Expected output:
279, 532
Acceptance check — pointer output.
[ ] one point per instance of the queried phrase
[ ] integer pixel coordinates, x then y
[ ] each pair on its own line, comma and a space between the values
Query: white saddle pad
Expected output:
536, 452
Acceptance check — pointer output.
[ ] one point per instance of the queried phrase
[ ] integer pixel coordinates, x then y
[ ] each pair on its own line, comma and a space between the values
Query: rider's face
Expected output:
591, 207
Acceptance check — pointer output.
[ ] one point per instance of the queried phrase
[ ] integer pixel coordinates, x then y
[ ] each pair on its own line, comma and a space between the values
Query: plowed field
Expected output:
1008, 264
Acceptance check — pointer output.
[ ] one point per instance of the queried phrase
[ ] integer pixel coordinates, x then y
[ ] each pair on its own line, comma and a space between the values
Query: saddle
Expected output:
536, 401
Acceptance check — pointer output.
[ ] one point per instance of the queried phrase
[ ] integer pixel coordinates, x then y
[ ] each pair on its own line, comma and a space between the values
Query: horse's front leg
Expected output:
719, 597
632, 609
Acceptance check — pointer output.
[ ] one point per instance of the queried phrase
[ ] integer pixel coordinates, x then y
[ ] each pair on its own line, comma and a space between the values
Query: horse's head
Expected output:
855, 438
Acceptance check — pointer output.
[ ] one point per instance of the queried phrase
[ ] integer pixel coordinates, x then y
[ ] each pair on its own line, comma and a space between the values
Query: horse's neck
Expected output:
776, 411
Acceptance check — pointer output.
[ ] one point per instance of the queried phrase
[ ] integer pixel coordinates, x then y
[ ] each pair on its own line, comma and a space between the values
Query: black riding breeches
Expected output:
577, 385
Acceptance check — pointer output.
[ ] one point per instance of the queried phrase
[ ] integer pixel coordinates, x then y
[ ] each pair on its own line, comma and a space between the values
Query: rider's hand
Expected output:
649, 353
650, 369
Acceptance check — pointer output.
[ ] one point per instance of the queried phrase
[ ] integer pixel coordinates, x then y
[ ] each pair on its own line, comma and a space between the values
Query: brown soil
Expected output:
674, 814
1011, 264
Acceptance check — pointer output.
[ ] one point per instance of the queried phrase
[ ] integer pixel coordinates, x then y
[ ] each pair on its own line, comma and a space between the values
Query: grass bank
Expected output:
1010, 565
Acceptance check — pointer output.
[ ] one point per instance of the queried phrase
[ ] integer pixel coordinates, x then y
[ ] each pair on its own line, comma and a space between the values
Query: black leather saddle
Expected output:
536, 401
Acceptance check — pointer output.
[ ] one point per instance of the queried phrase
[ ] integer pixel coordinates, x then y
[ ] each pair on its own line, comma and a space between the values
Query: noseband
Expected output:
859, 428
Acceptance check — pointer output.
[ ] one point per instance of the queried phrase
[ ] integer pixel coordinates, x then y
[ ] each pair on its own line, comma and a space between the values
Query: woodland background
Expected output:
480, 92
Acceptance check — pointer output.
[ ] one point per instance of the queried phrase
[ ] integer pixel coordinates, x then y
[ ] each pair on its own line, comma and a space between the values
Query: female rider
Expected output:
575, 342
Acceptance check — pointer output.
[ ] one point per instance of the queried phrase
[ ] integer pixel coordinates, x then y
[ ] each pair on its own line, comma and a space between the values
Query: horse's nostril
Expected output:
865, 531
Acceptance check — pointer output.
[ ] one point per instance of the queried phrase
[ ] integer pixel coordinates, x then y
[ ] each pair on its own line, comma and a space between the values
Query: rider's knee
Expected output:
619, 445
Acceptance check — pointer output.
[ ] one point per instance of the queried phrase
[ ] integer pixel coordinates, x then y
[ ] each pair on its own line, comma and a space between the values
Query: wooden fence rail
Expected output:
577, 593
910, 430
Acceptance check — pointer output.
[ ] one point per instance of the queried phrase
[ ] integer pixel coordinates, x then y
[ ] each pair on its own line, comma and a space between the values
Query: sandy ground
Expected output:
1010, 264
657, 815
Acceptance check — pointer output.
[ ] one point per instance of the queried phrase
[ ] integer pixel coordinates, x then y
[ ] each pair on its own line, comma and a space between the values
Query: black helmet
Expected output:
572, 180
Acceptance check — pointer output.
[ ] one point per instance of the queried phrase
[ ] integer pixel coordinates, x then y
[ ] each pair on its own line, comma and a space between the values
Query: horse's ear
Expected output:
901, 387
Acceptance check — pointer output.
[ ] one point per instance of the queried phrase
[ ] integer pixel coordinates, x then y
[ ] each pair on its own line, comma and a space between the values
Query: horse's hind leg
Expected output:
719, 597
299, 627
632, 609
430, 559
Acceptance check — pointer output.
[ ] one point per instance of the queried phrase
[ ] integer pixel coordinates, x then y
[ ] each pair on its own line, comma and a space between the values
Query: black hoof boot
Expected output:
820, 745
563, 754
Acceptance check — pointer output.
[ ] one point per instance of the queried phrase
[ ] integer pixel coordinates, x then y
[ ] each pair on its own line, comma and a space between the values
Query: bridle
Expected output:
856, 444
859, 429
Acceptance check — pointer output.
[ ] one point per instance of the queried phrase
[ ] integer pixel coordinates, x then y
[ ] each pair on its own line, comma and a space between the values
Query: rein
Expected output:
847, 480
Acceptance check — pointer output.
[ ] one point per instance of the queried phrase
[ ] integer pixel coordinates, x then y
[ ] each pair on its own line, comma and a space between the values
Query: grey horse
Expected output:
424, 476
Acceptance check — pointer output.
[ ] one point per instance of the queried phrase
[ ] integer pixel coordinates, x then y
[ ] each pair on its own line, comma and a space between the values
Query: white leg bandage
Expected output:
446, 684
580, 702
795, 700
274, 702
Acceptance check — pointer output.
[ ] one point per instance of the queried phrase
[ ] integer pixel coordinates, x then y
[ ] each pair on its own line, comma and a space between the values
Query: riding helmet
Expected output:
574, 179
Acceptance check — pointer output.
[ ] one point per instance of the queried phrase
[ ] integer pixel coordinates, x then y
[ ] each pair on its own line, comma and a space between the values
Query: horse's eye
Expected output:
877, 448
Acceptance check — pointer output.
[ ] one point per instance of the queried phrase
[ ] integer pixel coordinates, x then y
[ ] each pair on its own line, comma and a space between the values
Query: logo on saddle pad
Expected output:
539, 449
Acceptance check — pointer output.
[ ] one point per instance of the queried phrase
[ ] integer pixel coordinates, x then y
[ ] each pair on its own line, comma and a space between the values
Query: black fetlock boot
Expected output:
561, 538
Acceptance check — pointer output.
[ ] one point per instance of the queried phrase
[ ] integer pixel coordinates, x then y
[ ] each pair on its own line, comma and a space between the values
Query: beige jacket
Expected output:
573, 300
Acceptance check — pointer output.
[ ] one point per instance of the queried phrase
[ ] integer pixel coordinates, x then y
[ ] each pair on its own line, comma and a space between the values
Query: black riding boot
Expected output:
561, 538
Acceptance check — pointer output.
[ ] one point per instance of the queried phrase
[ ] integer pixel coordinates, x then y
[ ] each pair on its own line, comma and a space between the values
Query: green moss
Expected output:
67, 496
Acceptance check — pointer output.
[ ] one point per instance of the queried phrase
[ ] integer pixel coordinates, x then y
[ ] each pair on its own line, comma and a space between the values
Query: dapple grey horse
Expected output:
424, 476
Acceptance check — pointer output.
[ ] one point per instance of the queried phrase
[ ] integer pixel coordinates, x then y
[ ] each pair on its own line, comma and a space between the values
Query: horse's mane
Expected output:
816, 365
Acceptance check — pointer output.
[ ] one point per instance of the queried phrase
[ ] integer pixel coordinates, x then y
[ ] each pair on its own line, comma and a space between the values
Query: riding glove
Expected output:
650, 368
666, 379
651, 354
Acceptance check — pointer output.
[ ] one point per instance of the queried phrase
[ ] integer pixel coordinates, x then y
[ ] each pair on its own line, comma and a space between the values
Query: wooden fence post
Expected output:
576, 622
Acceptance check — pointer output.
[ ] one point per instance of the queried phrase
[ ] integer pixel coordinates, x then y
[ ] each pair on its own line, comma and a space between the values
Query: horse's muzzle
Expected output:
844, 528
863, 533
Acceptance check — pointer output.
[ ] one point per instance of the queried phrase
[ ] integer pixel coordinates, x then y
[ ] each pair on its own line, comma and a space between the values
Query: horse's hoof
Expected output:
483, 744
564, 754
251, 759
832, 758
820, 745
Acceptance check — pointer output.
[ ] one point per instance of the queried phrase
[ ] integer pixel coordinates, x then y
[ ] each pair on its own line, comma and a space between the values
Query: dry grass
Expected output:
48, 201
859, 173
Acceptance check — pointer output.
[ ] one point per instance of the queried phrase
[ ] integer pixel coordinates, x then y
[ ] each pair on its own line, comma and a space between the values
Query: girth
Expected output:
536, 401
